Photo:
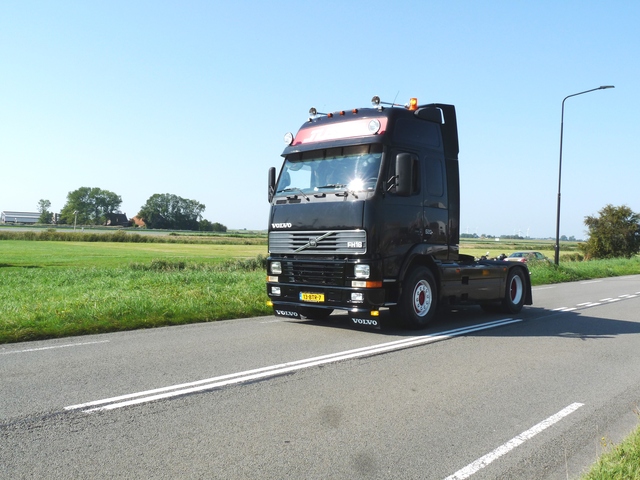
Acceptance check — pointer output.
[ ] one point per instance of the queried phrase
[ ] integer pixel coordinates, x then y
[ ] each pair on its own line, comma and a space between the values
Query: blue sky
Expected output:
193, 98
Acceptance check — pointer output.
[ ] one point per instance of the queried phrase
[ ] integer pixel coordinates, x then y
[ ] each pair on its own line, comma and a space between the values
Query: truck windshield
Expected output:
354, 168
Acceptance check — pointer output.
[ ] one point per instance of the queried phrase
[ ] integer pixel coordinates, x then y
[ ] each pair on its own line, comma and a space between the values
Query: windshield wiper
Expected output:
294, 189
340, 185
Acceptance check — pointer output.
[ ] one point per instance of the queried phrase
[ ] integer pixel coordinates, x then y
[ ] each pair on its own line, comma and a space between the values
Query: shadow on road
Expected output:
536, 322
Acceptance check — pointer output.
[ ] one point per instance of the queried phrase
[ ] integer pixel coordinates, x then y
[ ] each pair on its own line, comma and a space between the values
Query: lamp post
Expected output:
75, 219
557, 246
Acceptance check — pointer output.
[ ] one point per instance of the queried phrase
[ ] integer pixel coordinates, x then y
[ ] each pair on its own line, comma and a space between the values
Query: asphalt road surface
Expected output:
537, 395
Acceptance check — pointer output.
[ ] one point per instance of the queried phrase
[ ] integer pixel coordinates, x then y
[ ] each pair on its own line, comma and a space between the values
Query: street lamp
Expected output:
557, 246
75, 219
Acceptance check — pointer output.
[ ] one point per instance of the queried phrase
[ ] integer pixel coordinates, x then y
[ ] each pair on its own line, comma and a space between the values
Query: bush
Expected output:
613, 234
572, 257
232, 265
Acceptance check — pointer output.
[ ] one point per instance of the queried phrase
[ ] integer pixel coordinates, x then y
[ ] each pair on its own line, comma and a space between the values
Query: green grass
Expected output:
17, 253
621, 462
103, 234
48, 303
52, 289
544, 273
60, 288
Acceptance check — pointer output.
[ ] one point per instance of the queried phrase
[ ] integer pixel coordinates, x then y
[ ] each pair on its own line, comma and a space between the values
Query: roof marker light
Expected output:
314, 113
413, 104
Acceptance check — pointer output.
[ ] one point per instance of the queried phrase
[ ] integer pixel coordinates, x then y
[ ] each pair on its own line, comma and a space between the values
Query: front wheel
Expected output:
419, 298
515, 291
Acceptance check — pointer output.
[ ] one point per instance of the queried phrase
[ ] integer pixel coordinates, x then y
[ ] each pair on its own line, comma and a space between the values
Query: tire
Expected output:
514, 291
314, 313
419, 298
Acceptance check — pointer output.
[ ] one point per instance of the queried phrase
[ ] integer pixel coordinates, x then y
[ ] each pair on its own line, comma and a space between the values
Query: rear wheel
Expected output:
419, 298
515, 291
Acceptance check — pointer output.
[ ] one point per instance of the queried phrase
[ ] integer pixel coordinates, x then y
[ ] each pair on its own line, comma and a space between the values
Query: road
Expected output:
479, 396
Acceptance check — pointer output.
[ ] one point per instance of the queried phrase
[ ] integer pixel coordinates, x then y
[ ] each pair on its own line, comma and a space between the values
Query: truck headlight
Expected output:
362, 270
275, 291
276, 268
357, 297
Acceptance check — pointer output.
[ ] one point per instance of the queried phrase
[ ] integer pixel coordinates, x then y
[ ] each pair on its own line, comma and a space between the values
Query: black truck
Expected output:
365, 217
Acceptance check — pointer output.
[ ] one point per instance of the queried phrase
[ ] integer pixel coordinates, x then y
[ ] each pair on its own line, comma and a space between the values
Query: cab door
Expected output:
400, 225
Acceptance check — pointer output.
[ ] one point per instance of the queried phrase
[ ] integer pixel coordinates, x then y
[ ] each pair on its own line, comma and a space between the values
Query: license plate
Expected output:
312, 297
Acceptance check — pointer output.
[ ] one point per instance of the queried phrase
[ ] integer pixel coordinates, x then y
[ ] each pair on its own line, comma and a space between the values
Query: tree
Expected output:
206, 226
90, 205
45, 215
165, 210
614, 233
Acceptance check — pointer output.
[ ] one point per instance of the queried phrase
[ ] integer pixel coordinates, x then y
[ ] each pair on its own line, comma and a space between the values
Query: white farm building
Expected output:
23, 218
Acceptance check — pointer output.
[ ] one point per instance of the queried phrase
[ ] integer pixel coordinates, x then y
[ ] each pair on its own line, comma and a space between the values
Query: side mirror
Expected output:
404, 174
272, 184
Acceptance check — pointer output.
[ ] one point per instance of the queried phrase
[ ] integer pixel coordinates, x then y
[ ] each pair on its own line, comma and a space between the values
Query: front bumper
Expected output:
336, 298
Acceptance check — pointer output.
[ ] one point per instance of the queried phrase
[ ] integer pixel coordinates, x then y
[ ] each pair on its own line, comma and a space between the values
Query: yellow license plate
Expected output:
312, 297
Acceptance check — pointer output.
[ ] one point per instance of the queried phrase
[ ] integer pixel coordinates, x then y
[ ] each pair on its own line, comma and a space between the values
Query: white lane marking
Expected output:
265, 372
482, 462
53, 347
590, 281
594, 304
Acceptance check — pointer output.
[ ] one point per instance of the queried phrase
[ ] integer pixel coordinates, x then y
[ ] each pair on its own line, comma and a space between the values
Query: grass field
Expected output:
477, 247
61, 288
55, 289
28, 254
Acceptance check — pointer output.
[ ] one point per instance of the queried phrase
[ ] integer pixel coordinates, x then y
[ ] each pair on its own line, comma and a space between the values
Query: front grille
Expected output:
339, 242
313, 273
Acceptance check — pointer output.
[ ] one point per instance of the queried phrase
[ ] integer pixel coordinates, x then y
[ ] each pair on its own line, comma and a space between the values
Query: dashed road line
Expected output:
624, 296
482, 462
53, 347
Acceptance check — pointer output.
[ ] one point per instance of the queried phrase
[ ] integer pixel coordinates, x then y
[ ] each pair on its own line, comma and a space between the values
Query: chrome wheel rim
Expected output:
516, 289
422, 298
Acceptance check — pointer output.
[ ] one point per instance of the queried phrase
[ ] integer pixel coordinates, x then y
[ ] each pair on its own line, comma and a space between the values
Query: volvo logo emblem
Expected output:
313, 242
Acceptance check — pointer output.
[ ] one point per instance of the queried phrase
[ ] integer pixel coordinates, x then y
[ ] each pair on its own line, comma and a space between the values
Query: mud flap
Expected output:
364, 321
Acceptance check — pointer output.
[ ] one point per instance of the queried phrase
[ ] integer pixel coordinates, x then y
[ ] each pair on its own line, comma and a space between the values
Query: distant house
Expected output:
117, 220
138, 222
22, 218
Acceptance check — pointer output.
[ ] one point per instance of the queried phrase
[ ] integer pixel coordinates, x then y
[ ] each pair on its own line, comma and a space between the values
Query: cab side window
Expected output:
435, 177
